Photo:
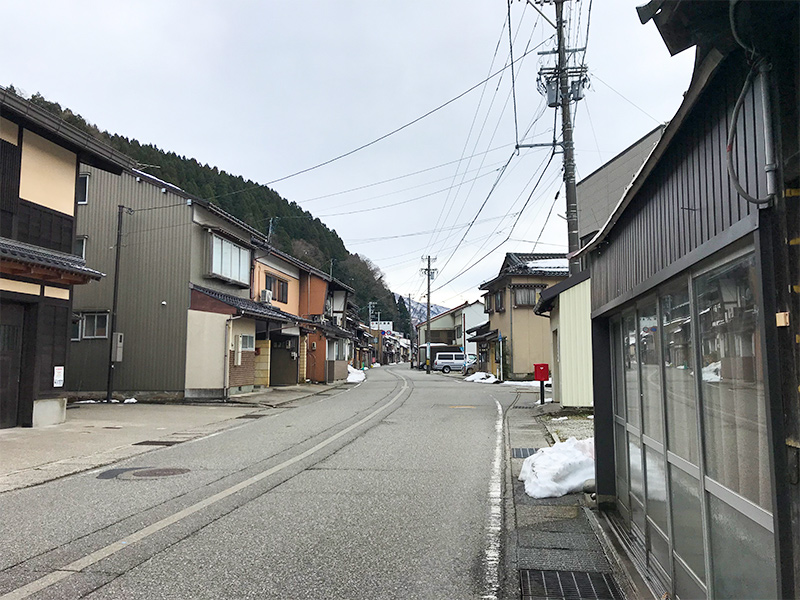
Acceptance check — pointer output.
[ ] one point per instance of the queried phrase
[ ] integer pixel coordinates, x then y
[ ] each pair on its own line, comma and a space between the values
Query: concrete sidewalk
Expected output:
554, 543
97, 434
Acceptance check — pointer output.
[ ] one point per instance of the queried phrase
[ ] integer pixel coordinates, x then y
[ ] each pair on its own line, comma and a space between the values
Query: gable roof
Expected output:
532, 265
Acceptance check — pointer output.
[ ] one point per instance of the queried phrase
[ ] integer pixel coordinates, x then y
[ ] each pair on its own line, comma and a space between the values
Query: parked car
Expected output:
470, 366
447, 361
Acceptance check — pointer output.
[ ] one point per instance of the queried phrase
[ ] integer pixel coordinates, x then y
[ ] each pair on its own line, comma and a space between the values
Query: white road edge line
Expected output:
82, 563
495, 523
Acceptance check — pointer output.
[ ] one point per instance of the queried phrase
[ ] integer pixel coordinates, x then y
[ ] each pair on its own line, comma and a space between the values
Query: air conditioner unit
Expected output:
266, 296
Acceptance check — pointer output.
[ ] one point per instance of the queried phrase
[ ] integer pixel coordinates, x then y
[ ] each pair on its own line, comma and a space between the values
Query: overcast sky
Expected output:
267, 89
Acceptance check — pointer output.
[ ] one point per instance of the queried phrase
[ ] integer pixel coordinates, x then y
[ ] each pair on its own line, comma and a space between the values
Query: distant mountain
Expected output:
419, 310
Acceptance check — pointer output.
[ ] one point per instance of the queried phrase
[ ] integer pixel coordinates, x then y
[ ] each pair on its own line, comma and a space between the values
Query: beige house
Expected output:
523, 338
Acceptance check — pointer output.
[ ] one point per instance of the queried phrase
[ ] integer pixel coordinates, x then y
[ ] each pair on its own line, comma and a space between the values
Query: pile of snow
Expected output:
354, 375
536, 384
377, 364
481, 377
130, 401
559, 470
711, 372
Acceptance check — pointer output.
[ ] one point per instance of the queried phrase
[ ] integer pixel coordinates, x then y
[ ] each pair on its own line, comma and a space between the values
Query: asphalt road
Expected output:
390, 489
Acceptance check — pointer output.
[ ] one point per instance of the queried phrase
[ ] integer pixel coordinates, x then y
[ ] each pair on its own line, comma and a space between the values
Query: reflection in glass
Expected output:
619, 373
735, 429
743, 555
636, 482
621, 464
650, 373
687, 520
676, 344
656, 488
685, 587
631, 369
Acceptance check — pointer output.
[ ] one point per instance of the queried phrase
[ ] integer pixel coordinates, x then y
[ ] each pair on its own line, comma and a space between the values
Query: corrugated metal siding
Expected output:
575, 345
154, 268
688, 199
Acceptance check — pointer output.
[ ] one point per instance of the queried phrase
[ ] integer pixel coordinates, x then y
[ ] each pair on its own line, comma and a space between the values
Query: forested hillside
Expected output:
295, 230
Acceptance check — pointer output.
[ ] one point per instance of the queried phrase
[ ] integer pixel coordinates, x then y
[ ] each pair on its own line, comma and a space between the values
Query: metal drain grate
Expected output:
250, 416
157, 443
567, 585
523, 452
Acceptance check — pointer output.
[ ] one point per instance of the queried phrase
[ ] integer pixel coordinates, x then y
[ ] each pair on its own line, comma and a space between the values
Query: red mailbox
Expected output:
541, 372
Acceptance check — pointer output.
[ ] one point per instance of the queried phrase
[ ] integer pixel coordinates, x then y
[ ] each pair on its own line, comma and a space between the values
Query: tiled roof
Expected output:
36, 255
249, 307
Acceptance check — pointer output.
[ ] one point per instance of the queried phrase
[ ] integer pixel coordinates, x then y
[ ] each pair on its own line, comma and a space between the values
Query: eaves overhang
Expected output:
250, 308
26, 260
548, 296
89, 150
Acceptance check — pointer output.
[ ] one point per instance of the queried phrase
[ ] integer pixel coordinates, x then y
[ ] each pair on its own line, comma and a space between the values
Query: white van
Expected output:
447, 361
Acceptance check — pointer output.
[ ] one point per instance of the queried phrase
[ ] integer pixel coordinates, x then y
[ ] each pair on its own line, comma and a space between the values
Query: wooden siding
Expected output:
688, 198
154, 269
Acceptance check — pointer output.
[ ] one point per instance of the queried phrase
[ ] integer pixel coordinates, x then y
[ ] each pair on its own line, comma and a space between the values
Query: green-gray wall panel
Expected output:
153, 288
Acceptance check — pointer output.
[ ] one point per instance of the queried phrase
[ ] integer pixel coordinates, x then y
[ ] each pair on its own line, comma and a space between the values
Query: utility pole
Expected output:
561, 85
573, 239
429, 274
112, 326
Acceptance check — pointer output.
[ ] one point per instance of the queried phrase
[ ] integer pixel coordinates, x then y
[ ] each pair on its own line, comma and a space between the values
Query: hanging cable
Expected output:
513, 81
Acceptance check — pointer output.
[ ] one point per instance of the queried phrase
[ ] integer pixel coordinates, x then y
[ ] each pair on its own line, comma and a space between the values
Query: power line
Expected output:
369, 185
428, 195
394, 131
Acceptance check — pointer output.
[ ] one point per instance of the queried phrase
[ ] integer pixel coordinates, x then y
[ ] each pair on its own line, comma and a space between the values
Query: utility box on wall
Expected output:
118, 341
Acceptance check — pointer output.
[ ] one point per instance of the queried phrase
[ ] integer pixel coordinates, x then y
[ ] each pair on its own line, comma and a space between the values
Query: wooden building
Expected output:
695, 287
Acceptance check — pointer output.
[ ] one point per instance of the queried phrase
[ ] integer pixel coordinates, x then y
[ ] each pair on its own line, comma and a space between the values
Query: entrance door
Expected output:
283, 361
11, 320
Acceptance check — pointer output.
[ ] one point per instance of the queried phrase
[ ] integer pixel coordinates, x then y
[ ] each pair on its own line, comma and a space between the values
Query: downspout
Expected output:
511, 326
226, 368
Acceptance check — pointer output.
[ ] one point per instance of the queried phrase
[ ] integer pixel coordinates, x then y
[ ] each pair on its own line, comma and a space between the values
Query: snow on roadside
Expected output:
354, 375
711, 372
559, 470
481, 377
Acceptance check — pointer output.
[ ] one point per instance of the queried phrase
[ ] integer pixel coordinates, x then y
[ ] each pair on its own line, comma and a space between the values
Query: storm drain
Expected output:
567, 585
158, 443
523, 452
250, 416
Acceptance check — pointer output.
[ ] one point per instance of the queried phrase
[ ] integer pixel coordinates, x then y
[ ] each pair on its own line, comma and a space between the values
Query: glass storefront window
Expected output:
735, 427
630, 369
679, 373
743, 555
619, 372
687, 520
621, 464
650, 371
656, 488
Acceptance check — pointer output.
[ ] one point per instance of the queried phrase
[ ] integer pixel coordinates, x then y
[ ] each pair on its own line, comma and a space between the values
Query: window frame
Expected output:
82, 240
216, 267
85, 328
82, 179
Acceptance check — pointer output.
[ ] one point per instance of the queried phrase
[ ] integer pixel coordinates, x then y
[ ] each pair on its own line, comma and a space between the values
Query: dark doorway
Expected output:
11, 322
283, 360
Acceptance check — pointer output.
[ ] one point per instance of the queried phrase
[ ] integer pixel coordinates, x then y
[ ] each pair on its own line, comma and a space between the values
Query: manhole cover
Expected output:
523, 452
567, 585
159, 472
